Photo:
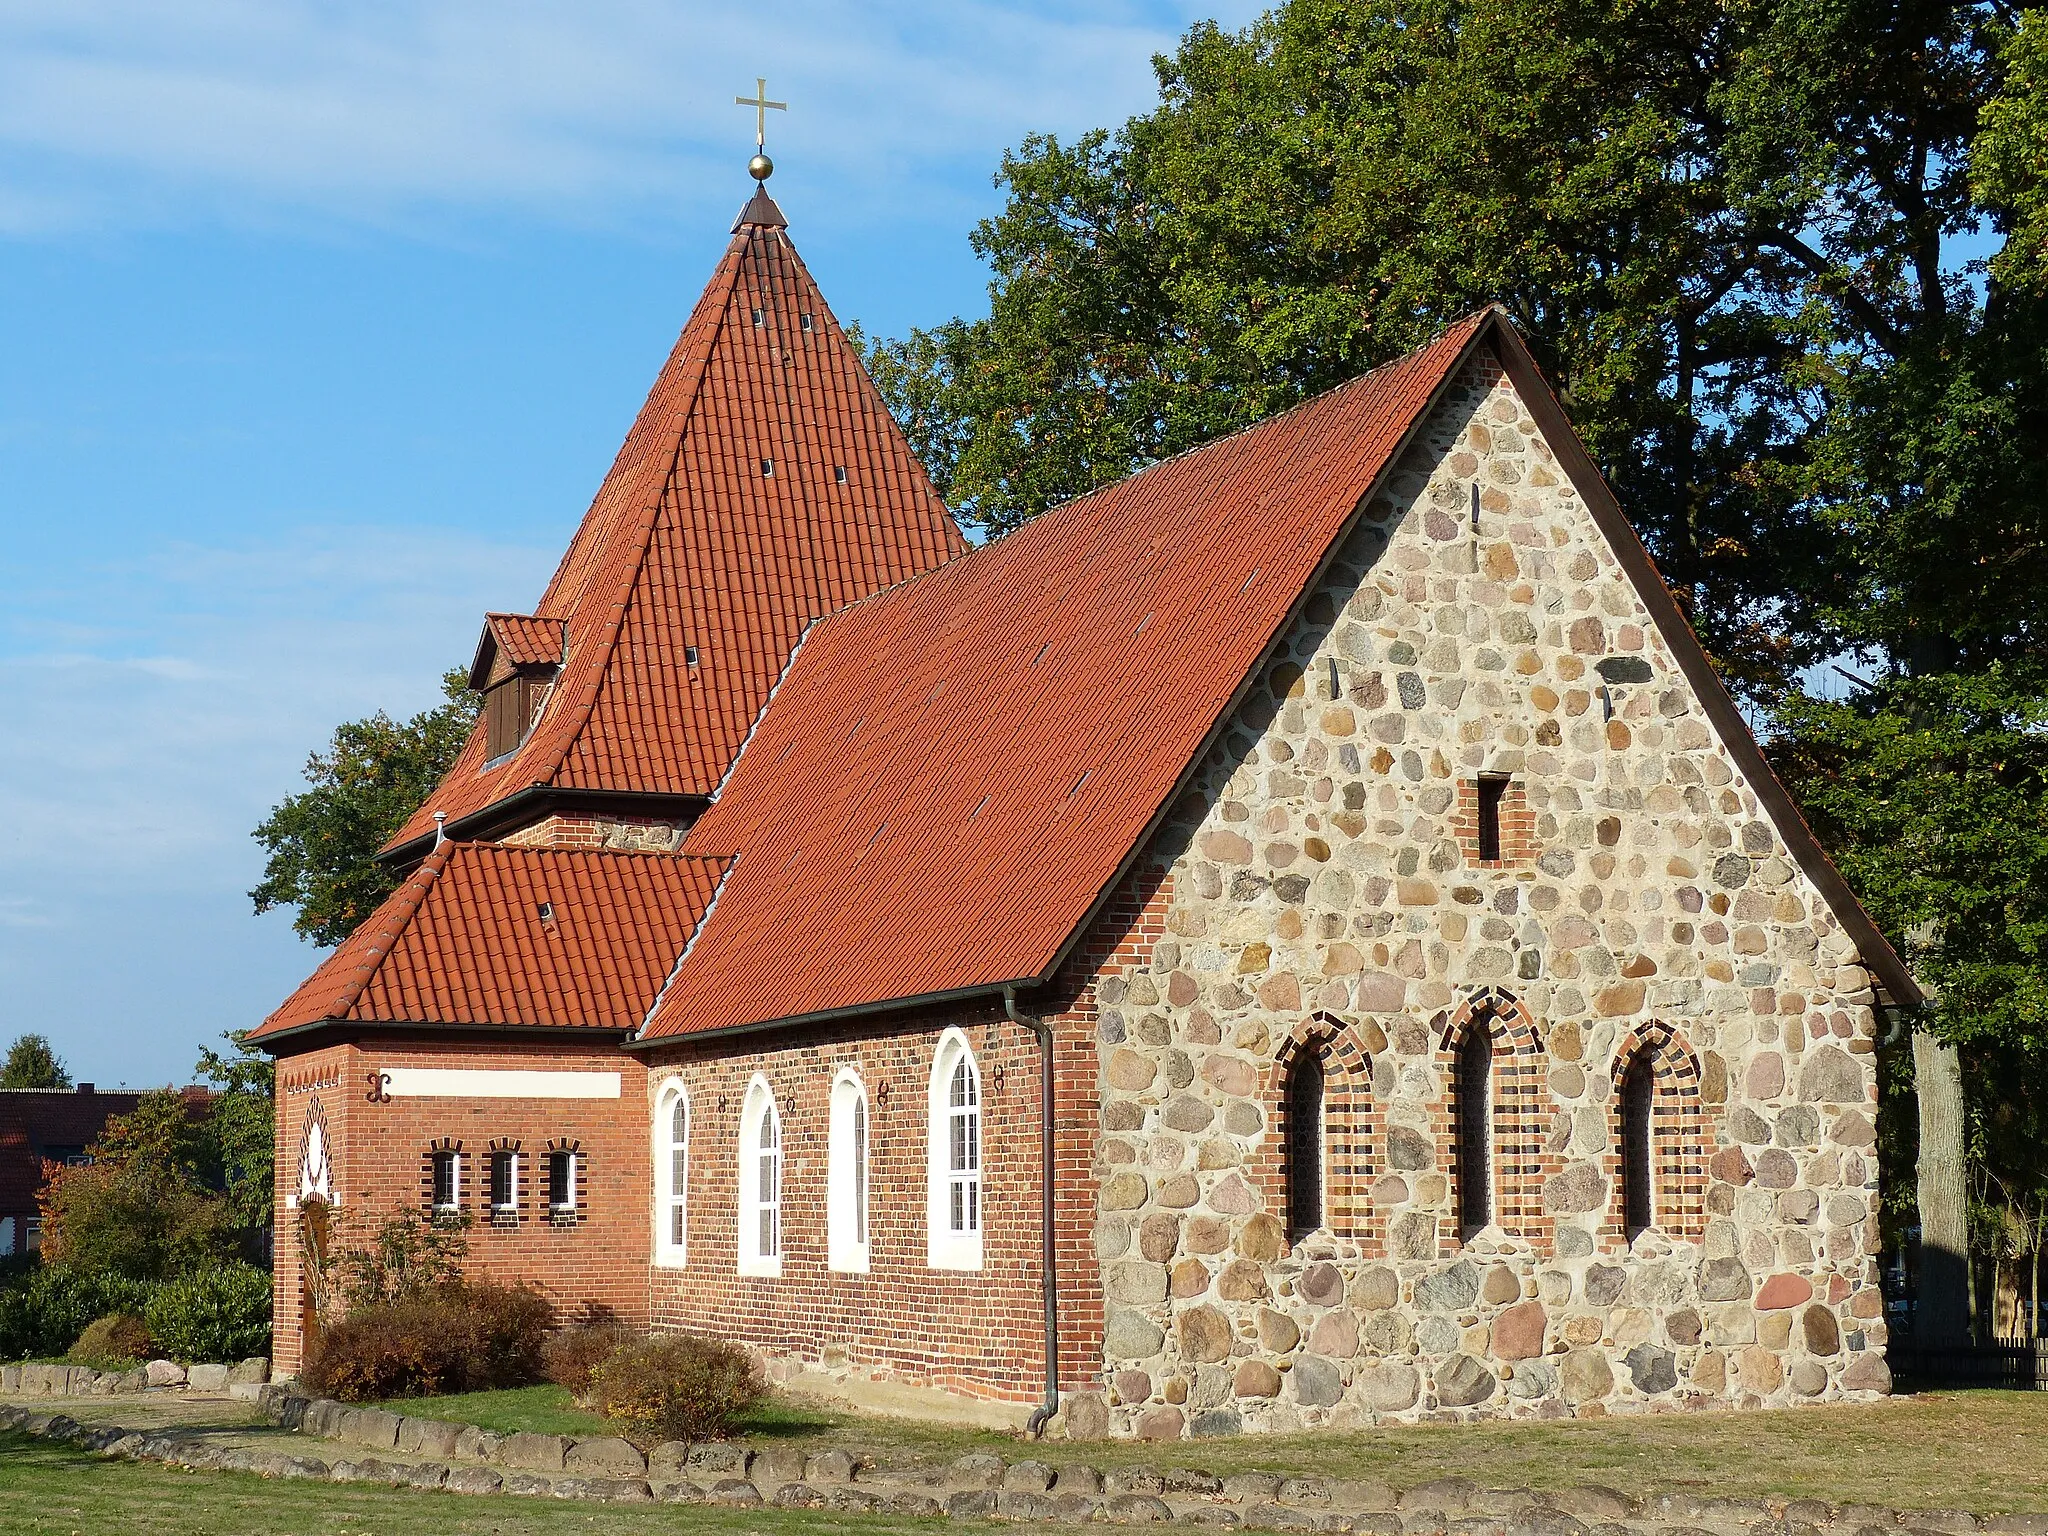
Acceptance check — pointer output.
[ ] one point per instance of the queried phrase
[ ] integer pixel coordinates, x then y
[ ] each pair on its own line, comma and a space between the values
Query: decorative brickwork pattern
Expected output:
1518, 845
1352, 1134
1521, 1158
1679, 1145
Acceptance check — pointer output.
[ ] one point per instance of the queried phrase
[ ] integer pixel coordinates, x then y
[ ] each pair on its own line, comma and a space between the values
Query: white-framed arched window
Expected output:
953, 1141
760, 1181
672, 1175
846, 1208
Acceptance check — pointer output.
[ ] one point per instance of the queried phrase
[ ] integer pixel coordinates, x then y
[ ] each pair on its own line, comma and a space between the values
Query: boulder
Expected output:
1205, 1335
1518, 1332
1086, 1415
1388, 1386
374, 1429
434, 1439
1652, 1369
533, 1453
1317, 1382
255, 1369
207, 1378
609, 1456
1462, 1381
164, 1373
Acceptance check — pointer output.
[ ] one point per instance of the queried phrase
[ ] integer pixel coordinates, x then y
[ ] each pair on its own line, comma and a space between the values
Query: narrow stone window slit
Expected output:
1305, 1147
1475, 1129
1638, 1146
1493, 789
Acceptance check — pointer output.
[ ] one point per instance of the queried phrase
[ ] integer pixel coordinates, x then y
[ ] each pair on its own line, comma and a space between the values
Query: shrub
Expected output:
461, 1338
44, 1312
217, 1314
569, 1357
676, 1387
113, 1342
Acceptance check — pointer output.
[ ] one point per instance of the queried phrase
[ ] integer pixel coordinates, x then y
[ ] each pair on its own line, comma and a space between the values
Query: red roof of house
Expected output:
954, 770
486, 934
724, 524
523, 639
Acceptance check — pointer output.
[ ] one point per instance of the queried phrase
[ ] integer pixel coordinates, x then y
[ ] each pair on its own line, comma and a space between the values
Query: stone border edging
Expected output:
83, 1381
983, 1486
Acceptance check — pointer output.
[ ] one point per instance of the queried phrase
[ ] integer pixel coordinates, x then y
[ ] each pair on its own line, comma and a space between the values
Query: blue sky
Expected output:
318, 327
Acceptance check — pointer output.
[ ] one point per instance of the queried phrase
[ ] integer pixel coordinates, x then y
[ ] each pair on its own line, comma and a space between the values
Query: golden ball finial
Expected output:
760, 167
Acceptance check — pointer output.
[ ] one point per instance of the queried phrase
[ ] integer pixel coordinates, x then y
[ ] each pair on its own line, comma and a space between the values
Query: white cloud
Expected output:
113, 109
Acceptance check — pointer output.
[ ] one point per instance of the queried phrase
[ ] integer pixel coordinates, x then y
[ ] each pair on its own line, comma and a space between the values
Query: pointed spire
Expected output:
761, 213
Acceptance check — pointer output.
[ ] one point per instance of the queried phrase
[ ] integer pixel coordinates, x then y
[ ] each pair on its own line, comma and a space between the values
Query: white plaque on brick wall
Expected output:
483, 1083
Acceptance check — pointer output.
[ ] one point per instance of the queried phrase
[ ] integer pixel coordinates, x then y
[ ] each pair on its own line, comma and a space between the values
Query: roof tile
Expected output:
464, 941
954, 769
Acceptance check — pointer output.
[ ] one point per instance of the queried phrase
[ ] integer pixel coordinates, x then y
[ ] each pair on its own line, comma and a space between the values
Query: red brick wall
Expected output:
379, 1160
975, 1332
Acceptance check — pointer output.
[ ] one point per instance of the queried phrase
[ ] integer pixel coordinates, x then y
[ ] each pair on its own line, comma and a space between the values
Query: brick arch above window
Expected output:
1678, 1134
1520, 1161
1351, 1129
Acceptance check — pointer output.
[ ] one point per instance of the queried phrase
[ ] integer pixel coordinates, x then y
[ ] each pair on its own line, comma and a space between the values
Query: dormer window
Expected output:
509, 709
516, 662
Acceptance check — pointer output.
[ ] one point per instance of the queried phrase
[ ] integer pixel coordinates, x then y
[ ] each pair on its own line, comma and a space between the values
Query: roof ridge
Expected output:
722, 285
523, 849
408, 896
1473, 318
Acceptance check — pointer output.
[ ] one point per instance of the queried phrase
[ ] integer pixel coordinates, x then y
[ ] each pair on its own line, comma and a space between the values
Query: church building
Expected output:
1298, 937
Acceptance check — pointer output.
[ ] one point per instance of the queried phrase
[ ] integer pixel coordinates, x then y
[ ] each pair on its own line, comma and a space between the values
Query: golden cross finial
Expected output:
762, 107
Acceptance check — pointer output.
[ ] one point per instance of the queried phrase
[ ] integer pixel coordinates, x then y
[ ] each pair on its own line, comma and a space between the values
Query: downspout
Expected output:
1043, 1413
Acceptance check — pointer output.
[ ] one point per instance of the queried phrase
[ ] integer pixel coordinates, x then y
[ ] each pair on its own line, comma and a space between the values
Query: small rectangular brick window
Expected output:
447, 1180
561, 1181
1493, 789
504, 1183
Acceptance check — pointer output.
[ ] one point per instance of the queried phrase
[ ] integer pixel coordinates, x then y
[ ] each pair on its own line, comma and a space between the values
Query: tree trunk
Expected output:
1942, 1312
2034, 1294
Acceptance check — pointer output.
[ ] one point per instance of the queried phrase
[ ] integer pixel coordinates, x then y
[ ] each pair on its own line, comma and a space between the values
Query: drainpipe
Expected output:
1042, 1414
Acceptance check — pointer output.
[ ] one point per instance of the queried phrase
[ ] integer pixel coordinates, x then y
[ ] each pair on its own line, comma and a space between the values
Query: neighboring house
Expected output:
1297, 937
39, 1126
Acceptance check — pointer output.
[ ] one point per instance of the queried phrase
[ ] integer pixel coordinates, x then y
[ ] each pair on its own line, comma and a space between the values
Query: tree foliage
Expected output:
1740, 239
1710, 221
177, 1187
322, 842
32, 1062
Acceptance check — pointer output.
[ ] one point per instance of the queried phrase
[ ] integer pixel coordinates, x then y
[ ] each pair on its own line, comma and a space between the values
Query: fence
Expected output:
2015, 1364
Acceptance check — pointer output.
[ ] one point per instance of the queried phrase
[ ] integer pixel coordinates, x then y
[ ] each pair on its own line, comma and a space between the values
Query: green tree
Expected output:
322, 842
142, 1207
1706, 219
1736, 238
33, 1063
240, 1127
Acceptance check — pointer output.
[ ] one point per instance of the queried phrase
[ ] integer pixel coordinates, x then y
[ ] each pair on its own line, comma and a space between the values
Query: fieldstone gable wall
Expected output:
1328, 896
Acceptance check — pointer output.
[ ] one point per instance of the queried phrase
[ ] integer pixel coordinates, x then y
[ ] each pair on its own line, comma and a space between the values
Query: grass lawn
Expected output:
1985, 1451
53, 1490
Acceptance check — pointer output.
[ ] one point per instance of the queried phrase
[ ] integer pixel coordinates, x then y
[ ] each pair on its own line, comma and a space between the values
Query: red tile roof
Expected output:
954, 770
465, 941
523, 639
723, 524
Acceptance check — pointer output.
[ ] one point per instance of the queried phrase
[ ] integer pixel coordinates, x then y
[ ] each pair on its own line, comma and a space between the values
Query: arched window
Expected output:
760, 1245
1305, 1145
1638, 1145
846, 1214
1475, 1127
672, 1177
954, 1206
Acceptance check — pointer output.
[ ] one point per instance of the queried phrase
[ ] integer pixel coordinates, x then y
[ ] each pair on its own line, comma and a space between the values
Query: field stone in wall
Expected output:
1318, 894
